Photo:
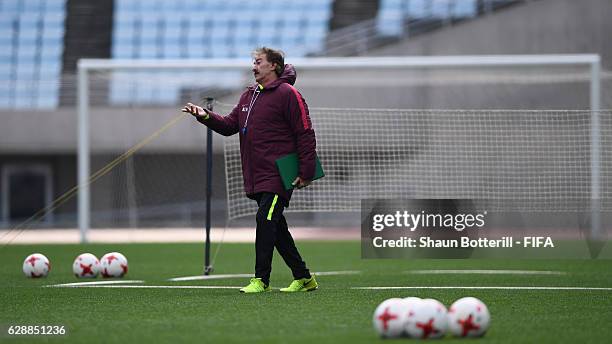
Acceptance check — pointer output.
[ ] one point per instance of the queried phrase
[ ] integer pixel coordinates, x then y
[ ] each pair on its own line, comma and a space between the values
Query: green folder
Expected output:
288, 169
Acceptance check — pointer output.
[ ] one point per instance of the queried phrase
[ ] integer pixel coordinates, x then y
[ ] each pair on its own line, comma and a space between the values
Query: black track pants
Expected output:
272, 231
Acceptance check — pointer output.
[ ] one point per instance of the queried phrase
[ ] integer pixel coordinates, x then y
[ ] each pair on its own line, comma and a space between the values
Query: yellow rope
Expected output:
101, 172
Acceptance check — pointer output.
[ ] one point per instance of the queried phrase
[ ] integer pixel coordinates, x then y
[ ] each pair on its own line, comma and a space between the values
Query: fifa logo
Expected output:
245, 108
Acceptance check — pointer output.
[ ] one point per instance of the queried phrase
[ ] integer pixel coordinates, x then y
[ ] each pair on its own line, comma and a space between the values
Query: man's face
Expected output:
262, 69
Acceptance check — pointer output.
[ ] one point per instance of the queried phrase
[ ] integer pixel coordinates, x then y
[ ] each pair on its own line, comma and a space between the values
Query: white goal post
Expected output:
88, 66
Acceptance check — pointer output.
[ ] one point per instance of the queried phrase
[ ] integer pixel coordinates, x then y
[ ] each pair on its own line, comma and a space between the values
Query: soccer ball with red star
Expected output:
36, 265
468, 317
113, 264
427, 319
86, 265
390, 318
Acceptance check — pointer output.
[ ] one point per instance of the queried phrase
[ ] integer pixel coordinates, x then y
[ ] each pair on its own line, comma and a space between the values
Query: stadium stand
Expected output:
150, 29
400, 17
393, 13
31, 34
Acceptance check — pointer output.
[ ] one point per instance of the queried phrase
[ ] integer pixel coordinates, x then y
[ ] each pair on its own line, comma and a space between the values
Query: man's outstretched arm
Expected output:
224, 125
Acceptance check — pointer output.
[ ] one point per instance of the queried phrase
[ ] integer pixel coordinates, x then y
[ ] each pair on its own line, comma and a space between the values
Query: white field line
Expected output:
486, 288
214, 277
149, 286
85, 284
485, 272
209, 277
335, 273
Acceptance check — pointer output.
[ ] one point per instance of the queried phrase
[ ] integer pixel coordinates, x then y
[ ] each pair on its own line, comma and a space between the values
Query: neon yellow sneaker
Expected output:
255, 286
302, 284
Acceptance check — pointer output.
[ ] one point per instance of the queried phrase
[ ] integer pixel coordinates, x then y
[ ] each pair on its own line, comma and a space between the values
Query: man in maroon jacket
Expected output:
272, 120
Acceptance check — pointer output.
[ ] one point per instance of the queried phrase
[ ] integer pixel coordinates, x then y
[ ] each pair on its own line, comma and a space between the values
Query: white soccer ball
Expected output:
468, 317
411, 301
86, 265
427, 319
390, 318
36, 265
113, 264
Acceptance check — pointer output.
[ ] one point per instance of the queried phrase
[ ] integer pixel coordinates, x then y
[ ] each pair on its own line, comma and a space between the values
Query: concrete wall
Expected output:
112, 129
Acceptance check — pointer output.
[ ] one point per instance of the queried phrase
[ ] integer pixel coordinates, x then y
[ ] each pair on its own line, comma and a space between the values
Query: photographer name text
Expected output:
464, 242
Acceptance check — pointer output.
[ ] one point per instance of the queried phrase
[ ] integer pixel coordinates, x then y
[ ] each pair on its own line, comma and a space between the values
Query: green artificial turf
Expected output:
334, 314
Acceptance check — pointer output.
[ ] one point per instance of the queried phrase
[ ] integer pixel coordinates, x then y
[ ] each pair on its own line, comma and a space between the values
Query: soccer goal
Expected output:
524, 131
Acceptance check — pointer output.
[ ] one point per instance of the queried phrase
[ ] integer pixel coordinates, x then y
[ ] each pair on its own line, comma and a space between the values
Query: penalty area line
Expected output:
209, 277
214, 277
148, 286
486, 272
486, 288
85, 284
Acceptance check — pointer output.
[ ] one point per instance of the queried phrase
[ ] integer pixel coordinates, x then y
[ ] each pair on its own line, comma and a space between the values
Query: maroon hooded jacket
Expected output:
278, 124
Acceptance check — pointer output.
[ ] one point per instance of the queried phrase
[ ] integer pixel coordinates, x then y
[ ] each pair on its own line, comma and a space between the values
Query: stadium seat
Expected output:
123, 51
6, 36
53, 17
7, 51
417, 9
5, 100
6, 71
170, 6
52, 33
148, 51
195, 50
47, 101
167, 91
243, 51
24, 89
244, 30
389, 23
220, 29
188, 5
48, 92
29, 6
10, 8
27, 53
465, 9
55, 6
50, 70
149, 6
267, 32
173, 50
145, 87
50, 53
8, 21
220, 50
393, 13
197, 26
441, 9
172, 28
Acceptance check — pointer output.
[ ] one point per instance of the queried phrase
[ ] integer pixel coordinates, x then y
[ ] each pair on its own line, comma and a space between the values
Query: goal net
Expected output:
514, 160
520, 131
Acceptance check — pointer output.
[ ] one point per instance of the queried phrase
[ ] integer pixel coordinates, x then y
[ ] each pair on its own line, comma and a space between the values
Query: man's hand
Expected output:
196, 111
300, 183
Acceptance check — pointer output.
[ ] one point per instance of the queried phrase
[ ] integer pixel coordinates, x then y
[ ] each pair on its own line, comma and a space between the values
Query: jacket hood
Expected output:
288, 76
